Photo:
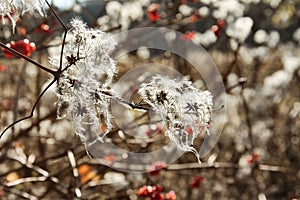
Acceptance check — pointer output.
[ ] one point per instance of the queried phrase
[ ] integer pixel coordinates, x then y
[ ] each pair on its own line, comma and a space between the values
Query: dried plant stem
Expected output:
56, 74
32, 110
18, 54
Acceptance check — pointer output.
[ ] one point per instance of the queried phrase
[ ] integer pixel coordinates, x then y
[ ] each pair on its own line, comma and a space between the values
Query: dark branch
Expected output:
18, 54
32, 110
65, 34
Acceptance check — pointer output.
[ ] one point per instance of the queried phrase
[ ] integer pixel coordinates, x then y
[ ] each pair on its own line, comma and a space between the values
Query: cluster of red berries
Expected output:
197, 181
2, 68
24, 47
156, 167
155, 193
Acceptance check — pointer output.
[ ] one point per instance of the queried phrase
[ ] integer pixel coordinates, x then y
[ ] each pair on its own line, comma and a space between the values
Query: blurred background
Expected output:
254, 44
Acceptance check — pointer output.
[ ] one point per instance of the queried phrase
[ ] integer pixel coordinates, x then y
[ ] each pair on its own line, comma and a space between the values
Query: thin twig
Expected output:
64, 37
248, 120
239, 83
217, 165
124, 102
39, 170
26, 130
20, 193
26, 180
72, 160
32, 110
18, 87
56, 15
18, 54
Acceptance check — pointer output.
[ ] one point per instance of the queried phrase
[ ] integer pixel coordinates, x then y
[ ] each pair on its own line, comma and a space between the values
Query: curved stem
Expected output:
124, 102
65, 34
56, 74
62, 51
56, 15
32, 110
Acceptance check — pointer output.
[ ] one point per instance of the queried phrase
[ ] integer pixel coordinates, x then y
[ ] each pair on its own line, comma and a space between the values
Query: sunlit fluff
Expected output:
87, 76
12, 10
184, 109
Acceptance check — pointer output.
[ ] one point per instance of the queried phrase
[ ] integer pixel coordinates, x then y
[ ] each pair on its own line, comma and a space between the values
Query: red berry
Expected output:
43, 28
189, 130
220, 23
110, 158
157, 188
156, 167
144, 191
253, 158
188, 35
196, 182
32, 47
171, 195
152, 131
193, 18
151, 191
157, 196
250, 160
217, 30
152, 11
22, 30
2, 68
